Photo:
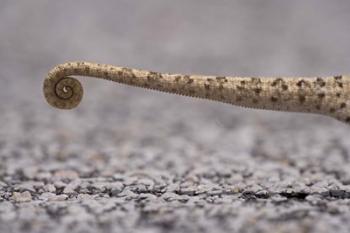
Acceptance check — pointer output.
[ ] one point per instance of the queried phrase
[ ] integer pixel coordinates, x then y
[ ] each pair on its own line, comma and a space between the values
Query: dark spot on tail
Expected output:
187, 78
321, 95
320, 82
347, 119
257, 90
274, 99
302, 83
338, 79
276, 81
301, 99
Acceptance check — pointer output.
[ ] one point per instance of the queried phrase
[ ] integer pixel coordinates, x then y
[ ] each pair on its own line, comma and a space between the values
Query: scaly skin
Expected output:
327, 95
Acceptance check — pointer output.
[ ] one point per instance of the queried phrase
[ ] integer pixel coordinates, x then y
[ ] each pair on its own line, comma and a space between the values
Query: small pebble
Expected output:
66, 174
22, 197
50, 188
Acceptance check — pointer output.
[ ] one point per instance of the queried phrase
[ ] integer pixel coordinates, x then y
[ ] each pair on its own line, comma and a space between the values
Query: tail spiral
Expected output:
63, 92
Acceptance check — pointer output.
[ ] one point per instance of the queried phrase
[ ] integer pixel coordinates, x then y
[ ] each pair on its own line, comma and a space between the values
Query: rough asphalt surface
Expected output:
131, 160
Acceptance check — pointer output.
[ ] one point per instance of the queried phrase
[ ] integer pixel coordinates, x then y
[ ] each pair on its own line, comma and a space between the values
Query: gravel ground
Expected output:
131, 160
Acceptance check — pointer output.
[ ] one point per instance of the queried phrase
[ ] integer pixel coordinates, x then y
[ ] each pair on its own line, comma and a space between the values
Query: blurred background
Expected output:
133, 160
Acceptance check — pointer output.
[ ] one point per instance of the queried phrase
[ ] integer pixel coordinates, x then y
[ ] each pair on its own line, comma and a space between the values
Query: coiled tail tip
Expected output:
63, 93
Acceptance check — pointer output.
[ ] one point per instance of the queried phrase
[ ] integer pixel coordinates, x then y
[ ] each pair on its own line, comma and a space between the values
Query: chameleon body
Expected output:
323, 95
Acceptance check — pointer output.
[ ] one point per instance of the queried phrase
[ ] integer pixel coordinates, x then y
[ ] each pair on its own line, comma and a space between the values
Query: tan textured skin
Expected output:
323, 95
